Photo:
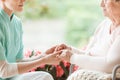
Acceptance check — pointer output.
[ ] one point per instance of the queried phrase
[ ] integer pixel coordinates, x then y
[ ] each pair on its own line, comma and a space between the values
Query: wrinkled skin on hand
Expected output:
62, 47
57, 48
65, 55
51, 50
53, 58
64, 52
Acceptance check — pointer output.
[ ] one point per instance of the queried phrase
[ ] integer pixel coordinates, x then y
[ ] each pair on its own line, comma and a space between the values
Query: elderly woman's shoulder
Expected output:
106, 20
102, 25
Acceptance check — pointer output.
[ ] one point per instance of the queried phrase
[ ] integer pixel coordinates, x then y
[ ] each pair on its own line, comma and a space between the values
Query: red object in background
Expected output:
37, 52
59, 71
75, 68
28, 54
66, 64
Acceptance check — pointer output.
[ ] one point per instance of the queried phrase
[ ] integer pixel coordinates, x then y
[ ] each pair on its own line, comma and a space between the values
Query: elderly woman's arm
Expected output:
88, 46
104, 64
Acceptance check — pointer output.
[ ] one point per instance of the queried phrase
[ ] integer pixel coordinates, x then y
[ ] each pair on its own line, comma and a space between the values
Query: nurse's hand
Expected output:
52, 58
51, 50
62, 47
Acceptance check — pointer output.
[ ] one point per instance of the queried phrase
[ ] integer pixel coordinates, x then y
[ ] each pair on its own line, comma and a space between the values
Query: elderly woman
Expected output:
103, 50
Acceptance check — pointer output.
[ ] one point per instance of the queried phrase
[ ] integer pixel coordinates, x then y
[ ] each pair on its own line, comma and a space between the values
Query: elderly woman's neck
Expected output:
8, 11
116, 22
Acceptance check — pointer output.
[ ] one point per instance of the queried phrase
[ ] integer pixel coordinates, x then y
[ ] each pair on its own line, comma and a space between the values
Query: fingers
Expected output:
57, 53
57, 48
52, 58
56, 57
51, 50
65, 55
61, 54
60, 47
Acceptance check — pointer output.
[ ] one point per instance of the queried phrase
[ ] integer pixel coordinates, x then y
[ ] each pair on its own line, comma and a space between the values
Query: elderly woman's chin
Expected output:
105, 14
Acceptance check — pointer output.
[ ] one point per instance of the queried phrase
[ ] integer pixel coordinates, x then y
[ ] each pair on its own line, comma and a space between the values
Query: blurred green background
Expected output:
82, 16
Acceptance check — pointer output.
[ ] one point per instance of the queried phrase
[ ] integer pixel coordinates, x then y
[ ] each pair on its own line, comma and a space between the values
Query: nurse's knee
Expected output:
47, 76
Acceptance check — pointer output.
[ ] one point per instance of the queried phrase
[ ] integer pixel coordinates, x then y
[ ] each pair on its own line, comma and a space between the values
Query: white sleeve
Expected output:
8, 70
114, 52
78, 51
91, 42
93, 39
105, 63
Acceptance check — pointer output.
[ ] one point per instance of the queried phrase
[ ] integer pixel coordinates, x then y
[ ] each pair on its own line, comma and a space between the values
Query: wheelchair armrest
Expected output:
71, 69
115, 71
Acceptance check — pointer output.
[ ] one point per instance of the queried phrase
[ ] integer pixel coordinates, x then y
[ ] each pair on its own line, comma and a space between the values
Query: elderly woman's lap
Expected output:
84, 74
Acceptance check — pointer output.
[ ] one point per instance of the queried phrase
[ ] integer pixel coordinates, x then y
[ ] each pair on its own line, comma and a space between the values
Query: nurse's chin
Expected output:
19, 10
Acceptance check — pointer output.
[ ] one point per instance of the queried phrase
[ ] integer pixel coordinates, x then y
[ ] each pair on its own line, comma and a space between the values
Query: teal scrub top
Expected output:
11, 45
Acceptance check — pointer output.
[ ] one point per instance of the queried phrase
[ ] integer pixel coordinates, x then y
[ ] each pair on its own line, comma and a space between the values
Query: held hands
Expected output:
58, 48
59, 52
65, 55
52, 58
62, 47
66, 52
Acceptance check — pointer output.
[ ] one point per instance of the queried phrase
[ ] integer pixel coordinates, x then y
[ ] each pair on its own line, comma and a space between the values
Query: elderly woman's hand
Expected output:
52, 58
65, 55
